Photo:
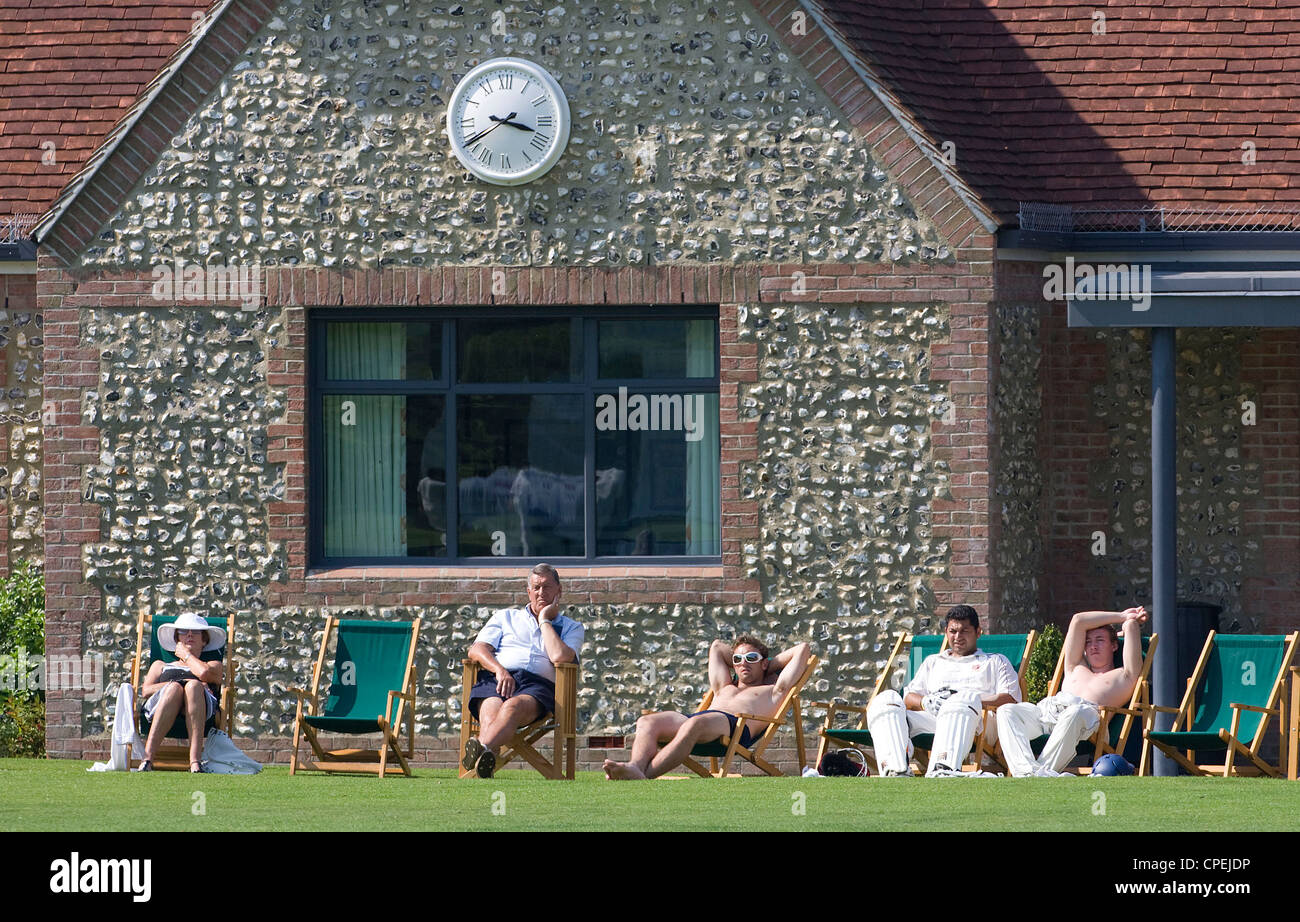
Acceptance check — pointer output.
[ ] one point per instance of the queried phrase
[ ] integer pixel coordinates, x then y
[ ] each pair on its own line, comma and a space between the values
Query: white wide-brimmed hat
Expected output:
190, 622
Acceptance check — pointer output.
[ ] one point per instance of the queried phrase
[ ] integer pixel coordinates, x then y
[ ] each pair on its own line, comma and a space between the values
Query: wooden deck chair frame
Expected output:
1133, 713
358, 761
720, 764
1185, 714
174, 756
562, 723
1293, 760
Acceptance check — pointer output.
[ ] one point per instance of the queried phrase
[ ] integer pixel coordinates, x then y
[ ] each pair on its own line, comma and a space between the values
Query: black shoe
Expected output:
473, 749
145, 766
487, 764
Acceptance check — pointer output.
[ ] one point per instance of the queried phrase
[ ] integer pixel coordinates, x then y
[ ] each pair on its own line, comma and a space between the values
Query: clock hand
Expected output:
498, 122
483, 133
518, 125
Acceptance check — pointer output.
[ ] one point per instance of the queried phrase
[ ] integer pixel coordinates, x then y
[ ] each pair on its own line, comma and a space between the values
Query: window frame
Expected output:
588, 387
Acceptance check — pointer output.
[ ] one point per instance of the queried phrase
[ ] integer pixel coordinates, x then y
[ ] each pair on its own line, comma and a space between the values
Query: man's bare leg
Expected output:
651, 730
498, 720
692, 730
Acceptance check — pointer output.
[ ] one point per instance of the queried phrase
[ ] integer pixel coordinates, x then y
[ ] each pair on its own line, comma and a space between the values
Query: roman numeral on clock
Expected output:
539, 100
546, 121
505, 162
540, 140
484, 154
506, 81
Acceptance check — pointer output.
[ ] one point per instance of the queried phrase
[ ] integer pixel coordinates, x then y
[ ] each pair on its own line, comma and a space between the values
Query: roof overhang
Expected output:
1142, 295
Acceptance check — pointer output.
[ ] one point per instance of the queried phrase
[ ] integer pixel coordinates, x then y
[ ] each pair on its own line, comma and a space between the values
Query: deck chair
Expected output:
372, 691
723, 752
1236, 687
1016, 647
1117, 723
171, 756
562, 724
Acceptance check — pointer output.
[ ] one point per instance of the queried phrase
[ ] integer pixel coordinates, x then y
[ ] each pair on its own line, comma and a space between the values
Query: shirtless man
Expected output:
760, 684
1091, 682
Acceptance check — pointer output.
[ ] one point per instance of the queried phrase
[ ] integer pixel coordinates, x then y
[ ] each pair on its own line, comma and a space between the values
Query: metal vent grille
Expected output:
1065, 219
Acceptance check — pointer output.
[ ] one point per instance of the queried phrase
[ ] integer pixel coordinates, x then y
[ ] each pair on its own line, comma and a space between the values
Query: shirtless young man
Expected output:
760, 684
1091, 682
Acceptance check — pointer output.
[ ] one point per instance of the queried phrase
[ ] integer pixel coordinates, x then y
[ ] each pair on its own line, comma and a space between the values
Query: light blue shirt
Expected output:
516, 636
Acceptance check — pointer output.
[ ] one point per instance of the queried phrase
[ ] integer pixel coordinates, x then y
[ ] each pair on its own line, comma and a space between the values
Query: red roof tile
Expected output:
68, 71
1040, 108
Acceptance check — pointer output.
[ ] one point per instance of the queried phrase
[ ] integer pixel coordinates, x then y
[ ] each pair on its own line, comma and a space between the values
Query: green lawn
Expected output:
60, 795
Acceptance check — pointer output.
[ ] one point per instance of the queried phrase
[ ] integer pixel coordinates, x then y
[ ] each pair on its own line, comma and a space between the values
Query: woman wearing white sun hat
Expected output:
187, 687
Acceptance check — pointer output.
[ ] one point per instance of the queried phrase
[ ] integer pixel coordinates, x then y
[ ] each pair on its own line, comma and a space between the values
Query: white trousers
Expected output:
954, 728
1068, 718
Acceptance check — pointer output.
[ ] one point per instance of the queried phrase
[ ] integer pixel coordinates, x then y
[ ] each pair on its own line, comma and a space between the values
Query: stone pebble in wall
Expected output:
696, 137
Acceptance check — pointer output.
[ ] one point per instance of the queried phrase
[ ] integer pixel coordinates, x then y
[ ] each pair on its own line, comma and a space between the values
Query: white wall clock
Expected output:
508, 121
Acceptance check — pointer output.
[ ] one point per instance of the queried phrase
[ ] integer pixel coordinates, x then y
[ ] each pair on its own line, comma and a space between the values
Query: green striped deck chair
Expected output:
1236, 688
173, 757
372, 691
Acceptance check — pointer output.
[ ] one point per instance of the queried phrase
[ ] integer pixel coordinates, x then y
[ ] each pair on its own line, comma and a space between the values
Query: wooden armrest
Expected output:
1251, 707
405, 696
766, 720
1162, 708
836, 706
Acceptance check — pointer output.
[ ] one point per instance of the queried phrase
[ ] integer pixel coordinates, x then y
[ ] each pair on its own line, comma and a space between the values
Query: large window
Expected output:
528, 435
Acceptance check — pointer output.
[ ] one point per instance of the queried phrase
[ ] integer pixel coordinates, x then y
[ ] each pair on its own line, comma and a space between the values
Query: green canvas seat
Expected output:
371, 691
1234, 691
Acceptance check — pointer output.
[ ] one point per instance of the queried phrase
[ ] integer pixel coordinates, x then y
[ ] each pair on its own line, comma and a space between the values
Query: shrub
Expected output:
22, 634
1042, 663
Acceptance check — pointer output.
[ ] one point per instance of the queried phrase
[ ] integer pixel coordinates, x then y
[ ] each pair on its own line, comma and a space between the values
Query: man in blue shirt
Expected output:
519, 649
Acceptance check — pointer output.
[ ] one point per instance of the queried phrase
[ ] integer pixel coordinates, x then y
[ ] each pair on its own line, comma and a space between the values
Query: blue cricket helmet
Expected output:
1112, 765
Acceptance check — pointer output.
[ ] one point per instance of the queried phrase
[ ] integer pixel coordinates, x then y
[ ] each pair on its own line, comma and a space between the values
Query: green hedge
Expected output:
22, 635
1042, 663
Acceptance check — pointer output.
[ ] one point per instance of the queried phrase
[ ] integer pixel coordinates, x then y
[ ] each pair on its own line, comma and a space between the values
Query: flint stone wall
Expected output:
22, 342
1217, 545
1018, 407
845, 476
696, 139
696, 136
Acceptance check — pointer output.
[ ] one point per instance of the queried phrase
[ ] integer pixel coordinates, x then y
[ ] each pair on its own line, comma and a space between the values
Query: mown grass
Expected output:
60, 795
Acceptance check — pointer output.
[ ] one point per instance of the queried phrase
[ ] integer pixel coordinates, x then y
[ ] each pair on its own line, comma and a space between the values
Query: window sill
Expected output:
518, 572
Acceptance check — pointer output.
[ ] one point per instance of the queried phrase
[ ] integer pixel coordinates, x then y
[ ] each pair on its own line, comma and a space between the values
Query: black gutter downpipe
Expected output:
1164, 531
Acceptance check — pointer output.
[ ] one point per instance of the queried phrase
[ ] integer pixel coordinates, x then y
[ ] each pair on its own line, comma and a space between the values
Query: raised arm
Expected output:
1085, 621
1133, 643
556, 648
719, 665
789, 666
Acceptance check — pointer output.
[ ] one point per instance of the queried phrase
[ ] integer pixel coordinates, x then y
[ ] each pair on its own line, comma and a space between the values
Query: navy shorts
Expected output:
526, 683
746, 739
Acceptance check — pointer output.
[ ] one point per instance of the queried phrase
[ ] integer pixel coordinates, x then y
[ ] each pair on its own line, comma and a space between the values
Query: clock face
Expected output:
508, 121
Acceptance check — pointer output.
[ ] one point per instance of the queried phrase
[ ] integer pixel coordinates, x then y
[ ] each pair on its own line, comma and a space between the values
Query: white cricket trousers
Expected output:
954, 728
1070, 721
